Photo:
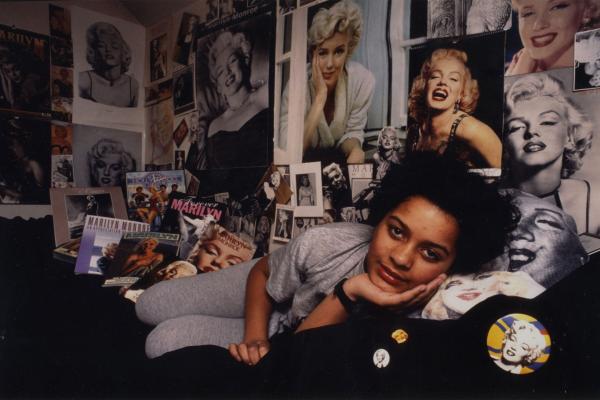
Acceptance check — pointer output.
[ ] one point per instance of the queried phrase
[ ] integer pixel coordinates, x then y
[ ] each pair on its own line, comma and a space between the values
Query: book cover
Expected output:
148, 194
189, 217
139, 253
100, 240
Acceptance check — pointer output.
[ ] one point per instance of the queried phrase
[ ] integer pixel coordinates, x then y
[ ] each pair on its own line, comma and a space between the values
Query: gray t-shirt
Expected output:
302, 273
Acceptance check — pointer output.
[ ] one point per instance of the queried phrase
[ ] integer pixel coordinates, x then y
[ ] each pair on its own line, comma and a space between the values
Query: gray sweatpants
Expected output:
193, 311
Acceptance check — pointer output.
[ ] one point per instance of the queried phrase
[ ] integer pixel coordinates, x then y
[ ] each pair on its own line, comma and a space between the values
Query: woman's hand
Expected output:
318, 81
521, 63
250, 352
360, 286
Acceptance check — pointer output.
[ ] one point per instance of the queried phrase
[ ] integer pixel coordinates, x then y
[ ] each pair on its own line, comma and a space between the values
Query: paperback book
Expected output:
99, 242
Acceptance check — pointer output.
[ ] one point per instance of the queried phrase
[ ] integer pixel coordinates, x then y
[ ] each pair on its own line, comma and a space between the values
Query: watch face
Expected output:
519, 344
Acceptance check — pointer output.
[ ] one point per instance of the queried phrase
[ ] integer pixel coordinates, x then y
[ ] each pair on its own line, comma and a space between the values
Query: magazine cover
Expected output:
219, 249
139, 253
100, 240
148, 194
70, 206
25, 62
189, 217
176, 269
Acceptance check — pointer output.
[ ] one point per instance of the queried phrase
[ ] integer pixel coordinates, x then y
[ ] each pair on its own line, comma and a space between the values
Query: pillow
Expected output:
542, 249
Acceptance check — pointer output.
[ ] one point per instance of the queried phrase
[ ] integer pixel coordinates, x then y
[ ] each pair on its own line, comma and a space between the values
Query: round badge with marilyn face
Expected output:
381, 358
519, 344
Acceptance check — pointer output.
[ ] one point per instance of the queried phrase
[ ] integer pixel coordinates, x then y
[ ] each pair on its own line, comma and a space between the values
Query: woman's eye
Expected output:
322, 53
548, 123
453, 283
560, 6
115, 167
431, 255
340, 51
526, 14
515, 128
549, 224
396, 231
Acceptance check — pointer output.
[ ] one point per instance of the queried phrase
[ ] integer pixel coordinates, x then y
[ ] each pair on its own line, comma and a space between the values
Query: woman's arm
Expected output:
482, 138
258, 307
521, 63
316, 108
330, 311
353, 151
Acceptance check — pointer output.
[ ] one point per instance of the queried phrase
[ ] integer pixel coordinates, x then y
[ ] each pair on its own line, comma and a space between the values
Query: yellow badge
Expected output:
519, 344
400, 336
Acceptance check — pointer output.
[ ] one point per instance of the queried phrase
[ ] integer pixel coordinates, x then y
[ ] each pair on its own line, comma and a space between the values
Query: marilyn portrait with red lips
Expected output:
547, 29
441, 101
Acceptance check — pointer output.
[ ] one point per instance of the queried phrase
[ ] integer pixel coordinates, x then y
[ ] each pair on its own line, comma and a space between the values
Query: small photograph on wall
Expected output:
179, 159
158, 92
183, 90
102, 156
548, 136
185, 38
24, 160
109, 69
284, 218
307, 189
454, 91
447, 18
530, 50
336, 188
61, 139
159, 125
357, 84
390, 150
60, 21
62, 109
158, 57
62, 171
62, 82
61, 52
232, 89
587, 60
24, 71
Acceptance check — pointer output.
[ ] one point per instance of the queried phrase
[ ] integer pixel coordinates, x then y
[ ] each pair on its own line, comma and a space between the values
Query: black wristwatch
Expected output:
349, 305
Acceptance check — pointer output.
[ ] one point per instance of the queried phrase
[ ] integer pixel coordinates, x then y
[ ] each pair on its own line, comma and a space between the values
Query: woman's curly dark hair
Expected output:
485, 217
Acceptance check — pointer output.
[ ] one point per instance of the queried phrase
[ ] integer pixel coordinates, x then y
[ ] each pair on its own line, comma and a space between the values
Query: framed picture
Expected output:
284, 219
307, 188
70, 206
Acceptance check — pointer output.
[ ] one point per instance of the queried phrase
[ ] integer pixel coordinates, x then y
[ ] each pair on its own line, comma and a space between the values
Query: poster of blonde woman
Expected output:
235, 117
108, 56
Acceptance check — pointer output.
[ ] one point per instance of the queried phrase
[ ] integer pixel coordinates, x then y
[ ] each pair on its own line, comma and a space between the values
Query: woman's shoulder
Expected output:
358, 73
471, 127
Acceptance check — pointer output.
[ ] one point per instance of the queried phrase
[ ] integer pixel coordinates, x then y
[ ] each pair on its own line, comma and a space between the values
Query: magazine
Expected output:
139, 253
100, 240
70, 206
219, 249
149, 192
189, 217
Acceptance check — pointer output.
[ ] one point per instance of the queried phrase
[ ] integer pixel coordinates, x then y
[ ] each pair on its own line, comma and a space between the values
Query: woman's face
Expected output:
174, 270
462, 292
108, 170
215, 255
547, 27
275, 179
229, 72
445, 83
543, 242
109, 49
388, 139
263, 225
412, 245
537, 132
332, 54
304, 180
149, 245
